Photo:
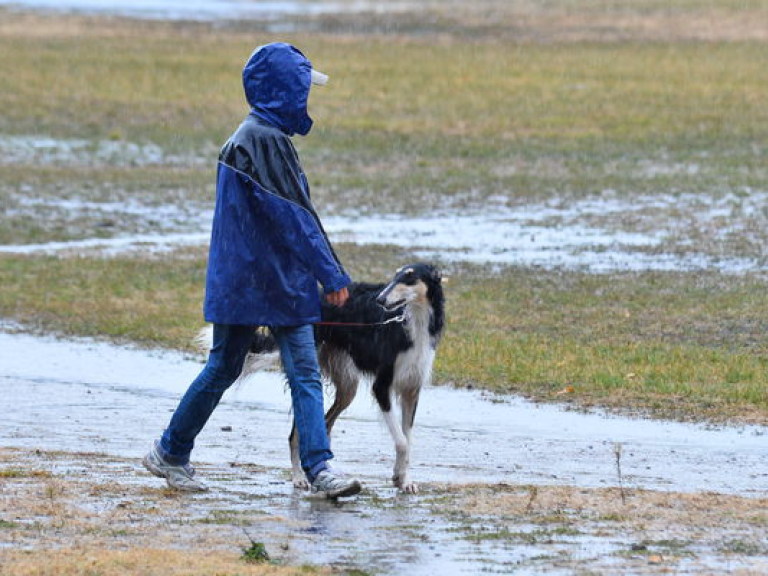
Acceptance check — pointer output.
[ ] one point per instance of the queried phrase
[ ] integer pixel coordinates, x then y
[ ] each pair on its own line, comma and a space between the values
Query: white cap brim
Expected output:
319, 78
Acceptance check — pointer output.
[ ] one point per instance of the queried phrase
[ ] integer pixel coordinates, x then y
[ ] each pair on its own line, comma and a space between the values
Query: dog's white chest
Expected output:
413, 367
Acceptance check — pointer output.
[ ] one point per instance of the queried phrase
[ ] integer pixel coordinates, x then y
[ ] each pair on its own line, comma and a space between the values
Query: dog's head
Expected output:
415, 283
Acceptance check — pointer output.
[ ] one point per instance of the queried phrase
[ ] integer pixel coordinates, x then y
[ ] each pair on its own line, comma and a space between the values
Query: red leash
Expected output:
400, 318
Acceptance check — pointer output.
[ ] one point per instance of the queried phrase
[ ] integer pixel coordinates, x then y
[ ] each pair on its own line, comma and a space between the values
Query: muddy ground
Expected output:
59, 503
505, 486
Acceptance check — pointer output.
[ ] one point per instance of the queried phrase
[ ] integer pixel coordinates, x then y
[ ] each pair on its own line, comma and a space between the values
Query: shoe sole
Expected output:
350, 490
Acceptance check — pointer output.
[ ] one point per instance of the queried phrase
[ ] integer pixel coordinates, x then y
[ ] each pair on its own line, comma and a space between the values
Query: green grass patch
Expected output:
256, 553
110, 85
659, 341
19, 473
151, 302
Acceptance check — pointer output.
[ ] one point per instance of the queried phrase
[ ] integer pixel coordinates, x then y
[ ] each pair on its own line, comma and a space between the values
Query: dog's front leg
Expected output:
382, 389
400, 472
297, 474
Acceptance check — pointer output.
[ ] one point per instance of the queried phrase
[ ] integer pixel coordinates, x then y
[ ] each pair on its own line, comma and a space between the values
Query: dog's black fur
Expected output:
387, 333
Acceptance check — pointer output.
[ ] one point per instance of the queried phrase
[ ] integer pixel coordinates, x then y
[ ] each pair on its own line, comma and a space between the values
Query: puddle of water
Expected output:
110, 247
500, 236
557, 234
586, 234
205, 10
66, 152
166, 216
507, 237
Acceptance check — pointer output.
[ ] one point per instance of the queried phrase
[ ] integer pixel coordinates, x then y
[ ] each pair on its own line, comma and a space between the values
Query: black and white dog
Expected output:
387, 333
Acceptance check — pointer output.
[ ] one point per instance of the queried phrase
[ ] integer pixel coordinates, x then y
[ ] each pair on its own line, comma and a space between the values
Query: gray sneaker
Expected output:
178, 477
334, 485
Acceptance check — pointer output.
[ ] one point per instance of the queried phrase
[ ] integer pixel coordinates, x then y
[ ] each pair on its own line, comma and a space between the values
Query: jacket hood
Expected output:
276, 79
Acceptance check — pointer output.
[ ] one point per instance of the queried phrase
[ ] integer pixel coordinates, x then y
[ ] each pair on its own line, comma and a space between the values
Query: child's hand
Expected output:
338, 298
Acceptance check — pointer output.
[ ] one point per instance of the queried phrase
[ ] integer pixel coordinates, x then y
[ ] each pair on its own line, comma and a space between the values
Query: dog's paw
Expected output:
300, 483
405, 485
410, 488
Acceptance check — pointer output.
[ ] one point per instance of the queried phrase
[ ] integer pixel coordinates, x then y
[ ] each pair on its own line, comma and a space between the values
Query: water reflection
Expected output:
206, 10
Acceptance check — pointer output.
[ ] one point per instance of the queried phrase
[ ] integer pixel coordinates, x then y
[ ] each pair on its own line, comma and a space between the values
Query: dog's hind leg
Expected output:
297, 474
337, 366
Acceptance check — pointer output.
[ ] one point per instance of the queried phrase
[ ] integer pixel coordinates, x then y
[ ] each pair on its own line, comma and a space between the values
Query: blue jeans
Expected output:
225, 362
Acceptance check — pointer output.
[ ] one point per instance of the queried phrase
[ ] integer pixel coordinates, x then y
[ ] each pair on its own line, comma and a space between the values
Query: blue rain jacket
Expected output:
268, 248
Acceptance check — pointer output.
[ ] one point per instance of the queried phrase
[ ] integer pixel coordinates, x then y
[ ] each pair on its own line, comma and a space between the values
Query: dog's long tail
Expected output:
263, 341
262, 355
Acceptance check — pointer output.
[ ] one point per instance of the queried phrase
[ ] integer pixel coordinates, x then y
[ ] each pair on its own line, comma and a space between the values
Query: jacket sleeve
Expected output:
301, 234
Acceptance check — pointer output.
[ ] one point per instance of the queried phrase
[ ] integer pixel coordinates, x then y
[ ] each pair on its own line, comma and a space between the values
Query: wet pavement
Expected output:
83, 396
105, 398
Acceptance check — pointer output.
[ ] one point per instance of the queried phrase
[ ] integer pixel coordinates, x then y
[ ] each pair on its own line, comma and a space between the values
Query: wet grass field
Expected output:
110, 127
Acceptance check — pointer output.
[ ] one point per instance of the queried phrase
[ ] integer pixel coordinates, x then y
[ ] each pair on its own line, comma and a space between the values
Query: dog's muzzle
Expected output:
382, 300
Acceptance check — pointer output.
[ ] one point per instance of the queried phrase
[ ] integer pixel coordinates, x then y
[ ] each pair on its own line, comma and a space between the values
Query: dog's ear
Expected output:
437, 276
